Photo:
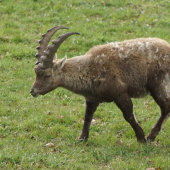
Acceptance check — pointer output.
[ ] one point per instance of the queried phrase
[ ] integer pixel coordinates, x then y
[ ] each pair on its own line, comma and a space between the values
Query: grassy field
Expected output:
28, 124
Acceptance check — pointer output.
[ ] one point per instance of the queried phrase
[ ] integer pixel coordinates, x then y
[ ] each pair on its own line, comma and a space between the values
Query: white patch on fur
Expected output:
166, 84
122, 56
141, 47
131, 45
121, 49
123, 52
157, 50
96, 59
115, 45
166, 57
145, 49
102, 79
150, 52
139, 43
100, 58
148, 45
103, 55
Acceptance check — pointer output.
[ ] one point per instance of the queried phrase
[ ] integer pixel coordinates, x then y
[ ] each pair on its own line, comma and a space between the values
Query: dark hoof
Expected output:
141, 140
150, 140
83, 138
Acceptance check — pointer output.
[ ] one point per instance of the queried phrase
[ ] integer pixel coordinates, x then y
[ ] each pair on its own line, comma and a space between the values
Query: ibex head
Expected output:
47, 73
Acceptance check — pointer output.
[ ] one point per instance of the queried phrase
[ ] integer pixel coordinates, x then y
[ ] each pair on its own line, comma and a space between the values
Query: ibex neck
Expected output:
76, 75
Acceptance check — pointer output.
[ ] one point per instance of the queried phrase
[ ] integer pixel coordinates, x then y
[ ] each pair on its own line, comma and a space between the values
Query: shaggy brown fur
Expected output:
114, 72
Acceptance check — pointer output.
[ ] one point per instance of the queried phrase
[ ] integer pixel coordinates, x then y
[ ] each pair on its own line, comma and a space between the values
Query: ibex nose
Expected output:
31, 91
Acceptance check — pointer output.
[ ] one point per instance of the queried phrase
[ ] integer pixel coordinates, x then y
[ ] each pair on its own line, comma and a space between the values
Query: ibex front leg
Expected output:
90, 109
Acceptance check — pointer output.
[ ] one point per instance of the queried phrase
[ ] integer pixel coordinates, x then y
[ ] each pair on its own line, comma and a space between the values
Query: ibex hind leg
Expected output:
124, 102
162, 97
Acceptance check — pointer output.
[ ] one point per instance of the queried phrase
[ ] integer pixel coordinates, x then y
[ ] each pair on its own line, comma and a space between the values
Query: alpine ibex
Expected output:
111, 72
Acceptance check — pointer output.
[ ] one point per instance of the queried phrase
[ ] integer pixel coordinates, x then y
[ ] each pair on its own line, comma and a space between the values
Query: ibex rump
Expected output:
112, 72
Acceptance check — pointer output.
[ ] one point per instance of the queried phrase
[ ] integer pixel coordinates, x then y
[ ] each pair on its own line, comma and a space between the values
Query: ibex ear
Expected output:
62, 62
55, 57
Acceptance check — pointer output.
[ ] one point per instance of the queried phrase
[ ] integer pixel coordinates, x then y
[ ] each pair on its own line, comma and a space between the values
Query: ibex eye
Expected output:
47, 76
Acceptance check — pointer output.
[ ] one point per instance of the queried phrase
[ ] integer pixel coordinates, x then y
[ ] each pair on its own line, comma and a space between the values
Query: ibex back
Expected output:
112, 72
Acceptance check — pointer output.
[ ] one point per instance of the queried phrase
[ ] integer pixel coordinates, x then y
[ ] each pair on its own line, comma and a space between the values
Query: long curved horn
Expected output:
45, 40
48, 54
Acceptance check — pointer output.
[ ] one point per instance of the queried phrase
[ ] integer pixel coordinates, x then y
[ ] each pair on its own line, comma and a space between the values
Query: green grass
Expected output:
27, 124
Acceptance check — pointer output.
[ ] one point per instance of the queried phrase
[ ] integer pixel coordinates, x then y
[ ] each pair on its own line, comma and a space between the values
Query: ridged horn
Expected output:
45, 40
49, 54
